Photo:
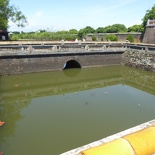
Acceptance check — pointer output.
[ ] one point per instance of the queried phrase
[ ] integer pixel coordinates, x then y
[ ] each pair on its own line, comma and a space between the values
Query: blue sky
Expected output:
54, 15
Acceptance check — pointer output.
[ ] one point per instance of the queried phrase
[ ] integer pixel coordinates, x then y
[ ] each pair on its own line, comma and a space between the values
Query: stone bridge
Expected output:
24, 58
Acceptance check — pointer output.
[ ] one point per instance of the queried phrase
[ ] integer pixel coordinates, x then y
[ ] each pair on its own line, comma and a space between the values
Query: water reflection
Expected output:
50, 113
72, 72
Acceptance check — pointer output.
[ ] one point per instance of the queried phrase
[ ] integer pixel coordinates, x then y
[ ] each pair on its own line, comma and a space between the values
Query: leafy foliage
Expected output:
73, 31
44, 36
100, 30
12, 13
115, 28
130, 38
111, 37
136, 28
85, 31
150, 14
94, 38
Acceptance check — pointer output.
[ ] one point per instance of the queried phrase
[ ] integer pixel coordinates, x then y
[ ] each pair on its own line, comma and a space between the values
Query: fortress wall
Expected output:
120, 36
149, 35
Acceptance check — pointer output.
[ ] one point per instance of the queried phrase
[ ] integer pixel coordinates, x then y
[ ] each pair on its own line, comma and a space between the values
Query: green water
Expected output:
52, 112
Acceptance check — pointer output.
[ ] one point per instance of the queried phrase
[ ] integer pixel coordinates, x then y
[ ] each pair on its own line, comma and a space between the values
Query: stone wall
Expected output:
149, 35
140, 59
121, 36
17, 64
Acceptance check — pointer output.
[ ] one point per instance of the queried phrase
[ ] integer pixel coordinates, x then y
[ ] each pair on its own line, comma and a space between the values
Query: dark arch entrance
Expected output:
71, 64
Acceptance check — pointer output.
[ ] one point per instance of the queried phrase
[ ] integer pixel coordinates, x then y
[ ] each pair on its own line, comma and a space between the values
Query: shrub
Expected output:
94, 38
15, 37
130, 38
111, 37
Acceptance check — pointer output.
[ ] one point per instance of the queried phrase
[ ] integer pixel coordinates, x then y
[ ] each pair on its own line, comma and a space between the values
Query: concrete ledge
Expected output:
139, 140
119, 146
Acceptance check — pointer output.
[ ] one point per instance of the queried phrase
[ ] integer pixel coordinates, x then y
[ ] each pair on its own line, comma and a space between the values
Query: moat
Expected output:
53, 112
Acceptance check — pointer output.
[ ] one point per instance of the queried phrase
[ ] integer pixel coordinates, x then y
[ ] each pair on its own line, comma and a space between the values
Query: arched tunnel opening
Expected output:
71, 64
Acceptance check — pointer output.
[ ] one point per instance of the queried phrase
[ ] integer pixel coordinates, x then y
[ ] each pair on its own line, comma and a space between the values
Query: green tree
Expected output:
118, 28
16, 32
150, 14
73, 31
85, 31
115, 28
10, 12
62, 32
136, 28
100, 30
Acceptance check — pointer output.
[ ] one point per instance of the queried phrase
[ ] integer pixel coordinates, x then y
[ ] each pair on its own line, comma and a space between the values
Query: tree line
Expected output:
73, 34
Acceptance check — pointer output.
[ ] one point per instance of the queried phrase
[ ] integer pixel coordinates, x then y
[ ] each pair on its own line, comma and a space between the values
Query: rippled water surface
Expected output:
52, 112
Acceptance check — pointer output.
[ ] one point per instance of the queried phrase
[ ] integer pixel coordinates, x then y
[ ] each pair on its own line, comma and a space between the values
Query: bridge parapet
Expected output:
51, 46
